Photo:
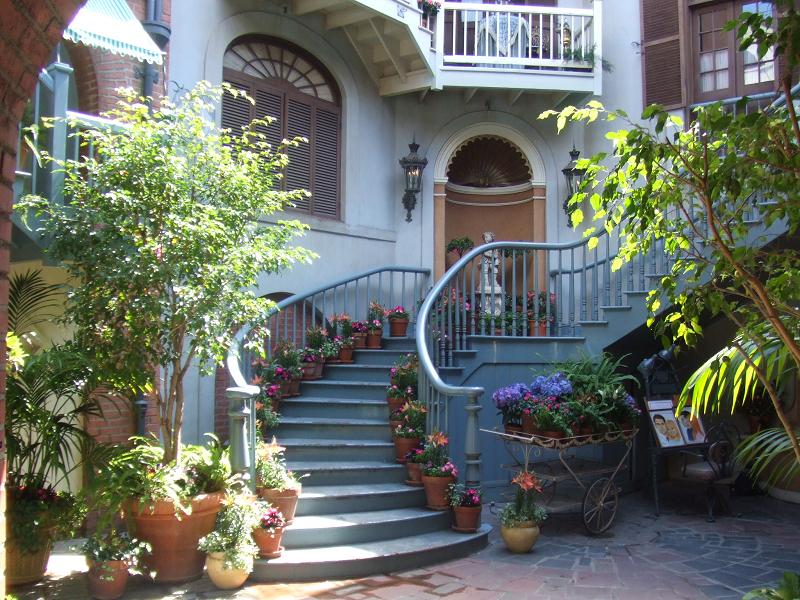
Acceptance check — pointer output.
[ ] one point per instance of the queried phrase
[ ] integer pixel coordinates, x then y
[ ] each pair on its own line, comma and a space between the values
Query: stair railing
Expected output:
389, 286
517, 289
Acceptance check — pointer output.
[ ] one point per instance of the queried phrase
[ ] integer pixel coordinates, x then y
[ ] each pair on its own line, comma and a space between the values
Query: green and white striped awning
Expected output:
110, 25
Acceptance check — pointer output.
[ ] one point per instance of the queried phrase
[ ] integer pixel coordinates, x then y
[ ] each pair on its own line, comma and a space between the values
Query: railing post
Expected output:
597, 40
241, 434
472, 452
60, 73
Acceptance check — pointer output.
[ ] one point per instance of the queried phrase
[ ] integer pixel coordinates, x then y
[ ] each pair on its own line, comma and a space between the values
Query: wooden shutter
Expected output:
270, 104
326, 163
236, 112
298, 173
662, 66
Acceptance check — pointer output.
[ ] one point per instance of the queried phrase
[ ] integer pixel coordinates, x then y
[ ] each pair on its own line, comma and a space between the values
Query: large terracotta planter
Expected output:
107, 580
309, 370
269, 545
398, 327
23, 568
320, 366
520, 539
436, 491
175, 557
374, 339
537, 328
346, 354
396, 403
466, 519
226, 579
414, 474
284, 500
403, 446
359, 340
294, 387
286, 388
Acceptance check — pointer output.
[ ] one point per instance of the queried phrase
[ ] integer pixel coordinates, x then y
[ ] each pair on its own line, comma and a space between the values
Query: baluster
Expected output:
464, 21
525, 323
608, 270
572, 276
596, 286
380, 288
472, 452
541, 36
584, 286
514, 292
486, 31
502, 291
555, 322
391, 289
450, 329
536, 290
619, 274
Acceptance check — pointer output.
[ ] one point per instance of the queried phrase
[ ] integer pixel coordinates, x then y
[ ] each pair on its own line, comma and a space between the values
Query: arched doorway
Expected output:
488, 182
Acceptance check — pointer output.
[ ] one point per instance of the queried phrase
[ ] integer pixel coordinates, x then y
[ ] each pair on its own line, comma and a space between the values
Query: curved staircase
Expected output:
356, 516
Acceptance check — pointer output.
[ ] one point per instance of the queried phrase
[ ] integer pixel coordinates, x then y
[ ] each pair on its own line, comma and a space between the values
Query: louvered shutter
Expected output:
661, 53
270, 104
326, 163
298, 173
236, 112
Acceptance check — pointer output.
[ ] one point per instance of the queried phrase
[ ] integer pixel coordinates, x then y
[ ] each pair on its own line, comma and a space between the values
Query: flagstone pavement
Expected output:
675, 556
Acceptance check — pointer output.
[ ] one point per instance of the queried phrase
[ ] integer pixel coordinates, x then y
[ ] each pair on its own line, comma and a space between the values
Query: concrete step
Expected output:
333, 429
332, 450
379, 357
358, 372
356, 560
323, 499
348, 473
335, 408
314, 531
406, 344
621, 308
368, 390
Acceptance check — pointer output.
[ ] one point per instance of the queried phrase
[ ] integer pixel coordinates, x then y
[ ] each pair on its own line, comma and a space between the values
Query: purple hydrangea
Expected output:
510, 395
556, 385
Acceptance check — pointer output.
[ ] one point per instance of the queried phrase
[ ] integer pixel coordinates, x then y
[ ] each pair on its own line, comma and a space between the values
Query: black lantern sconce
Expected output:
574, 176
413, 165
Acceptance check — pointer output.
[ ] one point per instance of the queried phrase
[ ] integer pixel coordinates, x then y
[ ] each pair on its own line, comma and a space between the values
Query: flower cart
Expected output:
595, 480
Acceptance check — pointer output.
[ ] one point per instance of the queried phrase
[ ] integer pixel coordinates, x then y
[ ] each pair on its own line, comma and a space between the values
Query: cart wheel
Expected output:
600, 505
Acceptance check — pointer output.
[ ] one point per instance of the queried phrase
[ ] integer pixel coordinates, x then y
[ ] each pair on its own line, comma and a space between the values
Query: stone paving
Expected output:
676, 556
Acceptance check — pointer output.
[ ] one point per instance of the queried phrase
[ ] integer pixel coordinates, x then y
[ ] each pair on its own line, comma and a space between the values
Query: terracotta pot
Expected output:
403, 446
414, 474
374, 339
396, 403
346, 354
175, 557
269, 545
309, 370
320, 365
359, 340
284, 500
513, 428
537, 328
466, 519
107, 580
436, 491
23, 568
529, 425
398, 327
286, 388
226, 579
294, 387
520, 539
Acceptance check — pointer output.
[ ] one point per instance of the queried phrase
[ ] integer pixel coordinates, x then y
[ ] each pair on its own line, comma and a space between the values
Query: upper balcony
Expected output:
470, 45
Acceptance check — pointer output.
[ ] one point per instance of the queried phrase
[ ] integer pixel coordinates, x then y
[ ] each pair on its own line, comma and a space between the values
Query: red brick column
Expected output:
29, 30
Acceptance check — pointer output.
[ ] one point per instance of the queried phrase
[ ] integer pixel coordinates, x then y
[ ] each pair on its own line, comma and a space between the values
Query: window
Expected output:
293, 87
721, 71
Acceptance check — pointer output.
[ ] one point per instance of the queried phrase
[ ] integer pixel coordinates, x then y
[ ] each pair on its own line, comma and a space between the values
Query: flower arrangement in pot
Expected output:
230, 547
547, 406
269, 530
398, 321
275, 483
376, 313
315, 339
331, 348
342, 324
541, 311
288, 357
270, 394
109, 556
429, 8
414, 460
438, 471
466, 504
151, 297
406, 438
402, 382
267, 420
507, 400
309, 359
194, 486
520, 519
360, 331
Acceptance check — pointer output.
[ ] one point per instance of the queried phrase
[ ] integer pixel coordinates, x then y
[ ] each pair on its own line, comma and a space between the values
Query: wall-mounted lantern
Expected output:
413, 165
574, 176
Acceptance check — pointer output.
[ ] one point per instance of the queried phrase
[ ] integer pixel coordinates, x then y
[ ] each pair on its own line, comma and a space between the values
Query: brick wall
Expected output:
29, 30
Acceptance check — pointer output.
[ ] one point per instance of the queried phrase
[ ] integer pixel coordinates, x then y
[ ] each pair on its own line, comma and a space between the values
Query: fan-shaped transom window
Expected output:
487, 162
290, 85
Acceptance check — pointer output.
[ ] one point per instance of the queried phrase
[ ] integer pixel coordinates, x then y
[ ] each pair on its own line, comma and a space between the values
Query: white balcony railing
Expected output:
507, 36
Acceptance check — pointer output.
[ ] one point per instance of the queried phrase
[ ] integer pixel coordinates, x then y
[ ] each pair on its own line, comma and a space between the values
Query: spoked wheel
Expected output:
600, 505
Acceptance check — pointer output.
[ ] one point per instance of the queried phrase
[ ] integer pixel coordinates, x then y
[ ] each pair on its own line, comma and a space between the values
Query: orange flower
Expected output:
437, 438
257, 380
272, 449
527, 481
259, 405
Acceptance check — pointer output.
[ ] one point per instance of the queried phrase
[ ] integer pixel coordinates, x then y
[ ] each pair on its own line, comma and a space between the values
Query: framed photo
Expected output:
691, 427
659, 404
666, 428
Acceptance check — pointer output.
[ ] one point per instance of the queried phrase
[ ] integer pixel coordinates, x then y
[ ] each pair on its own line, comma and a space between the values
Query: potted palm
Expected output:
438, 472
398, 321
275, 483
520, 519
230, 548
466, 504
165, 278
269, 530
109, 556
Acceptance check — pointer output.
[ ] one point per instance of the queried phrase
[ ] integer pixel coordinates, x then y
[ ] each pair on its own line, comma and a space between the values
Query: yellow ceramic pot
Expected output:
225, 579
520, 539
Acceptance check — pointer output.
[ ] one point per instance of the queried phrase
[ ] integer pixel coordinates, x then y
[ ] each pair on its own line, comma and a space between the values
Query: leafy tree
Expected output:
721, 197
164, 239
